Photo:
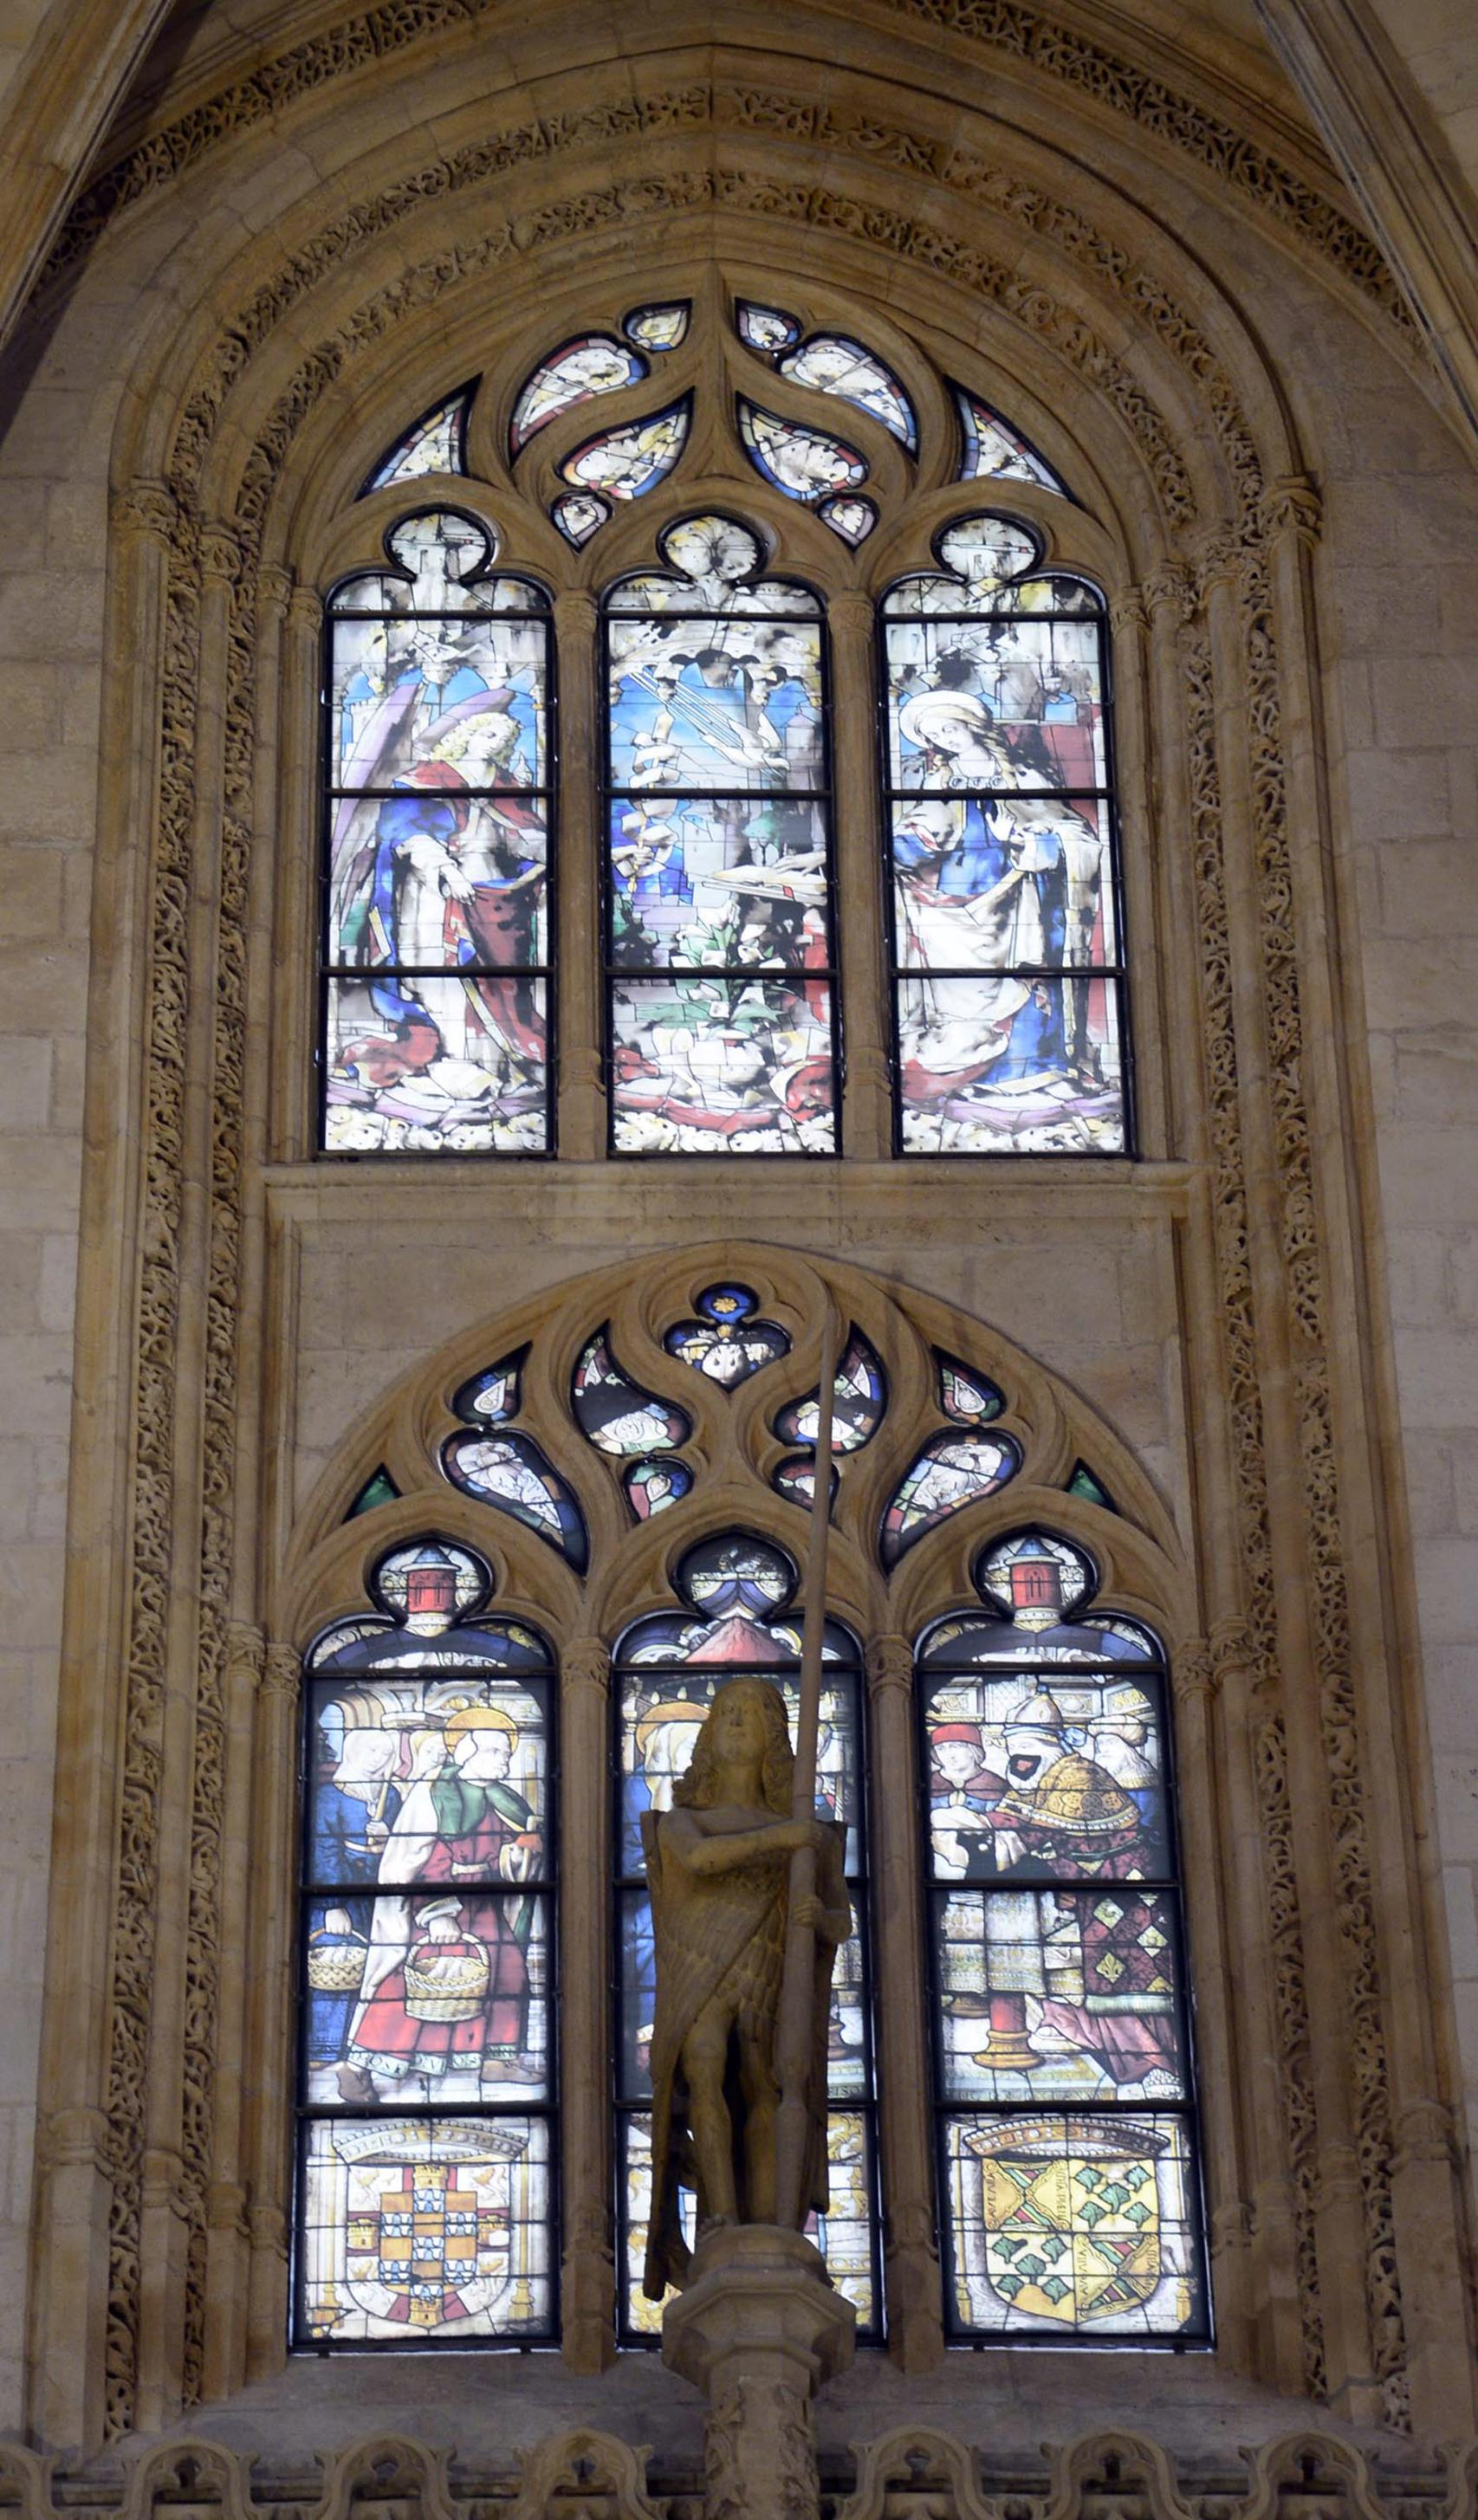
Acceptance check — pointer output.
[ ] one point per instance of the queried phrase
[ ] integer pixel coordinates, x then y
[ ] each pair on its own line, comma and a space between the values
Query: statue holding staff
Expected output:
718, 1868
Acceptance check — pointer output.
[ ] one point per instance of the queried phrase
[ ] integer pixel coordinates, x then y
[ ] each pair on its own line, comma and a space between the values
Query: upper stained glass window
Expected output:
436, 909
1009, 972
718, 911
426, 2127
736, 1620
829, 363
991, 450
1063, 2084
807, 464
658, 328
596, 364
627, 462
436, 443
718, 894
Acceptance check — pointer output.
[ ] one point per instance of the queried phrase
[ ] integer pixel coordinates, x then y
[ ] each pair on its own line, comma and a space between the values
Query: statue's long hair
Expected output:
698, 1790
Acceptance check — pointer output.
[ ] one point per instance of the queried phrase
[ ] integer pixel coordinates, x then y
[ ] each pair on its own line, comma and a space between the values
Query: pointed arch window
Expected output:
736, 1620
428, 2066
435, 921
1040, 2113
713, 760
721, 967
1062, 2063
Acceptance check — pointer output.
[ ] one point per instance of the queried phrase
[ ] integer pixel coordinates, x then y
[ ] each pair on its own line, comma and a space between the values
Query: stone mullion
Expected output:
172, 2196
588, 2265
862, 1009
268, 2154
1250, 2173
1151, 980
905, 2128
1338, 2206
1416, 2132
81, 2154
579, 1036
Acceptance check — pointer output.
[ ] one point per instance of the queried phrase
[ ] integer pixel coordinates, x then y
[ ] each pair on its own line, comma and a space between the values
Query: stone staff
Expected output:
795, 2029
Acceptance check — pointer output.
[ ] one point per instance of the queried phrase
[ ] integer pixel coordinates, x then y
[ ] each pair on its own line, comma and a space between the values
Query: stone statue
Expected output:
717, 1867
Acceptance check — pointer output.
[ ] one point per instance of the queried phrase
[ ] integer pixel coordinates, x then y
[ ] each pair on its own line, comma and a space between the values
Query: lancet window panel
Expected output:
1010, 1027
437, 894
1065, 2083
738, 1622
428, 2054
721, 978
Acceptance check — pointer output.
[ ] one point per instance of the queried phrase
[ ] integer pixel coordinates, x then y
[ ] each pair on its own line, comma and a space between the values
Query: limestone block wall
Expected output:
52, 540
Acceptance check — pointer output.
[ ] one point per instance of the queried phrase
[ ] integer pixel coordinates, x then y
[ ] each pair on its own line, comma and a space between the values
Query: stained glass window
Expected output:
954, 1469
427, 2074
991, 450
830, 364
807, 464
738, 1619
1009, 972
718, 892
435, 443
625, 463
1063, 2081
658, 328
436, 908
595, 364
727, 1340
615, 1413
860, 1395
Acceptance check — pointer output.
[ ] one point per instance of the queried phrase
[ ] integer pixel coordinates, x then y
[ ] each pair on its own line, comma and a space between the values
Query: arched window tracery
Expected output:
725, 974
674, 1426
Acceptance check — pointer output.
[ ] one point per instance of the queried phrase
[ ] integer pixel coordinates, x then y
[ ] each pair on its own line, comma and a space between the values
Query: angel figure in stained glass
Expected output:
718, 1881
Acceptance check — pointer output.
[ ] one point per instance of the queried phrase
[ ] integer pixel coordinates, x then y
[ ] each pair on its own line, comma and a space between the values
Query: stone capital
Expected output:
759, 2328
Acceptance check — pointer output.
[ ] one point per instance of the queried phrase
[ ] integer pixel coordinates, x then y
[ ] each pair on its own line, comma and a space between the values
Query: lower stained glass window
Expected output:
737, 1624
428, 2050
1064, 2081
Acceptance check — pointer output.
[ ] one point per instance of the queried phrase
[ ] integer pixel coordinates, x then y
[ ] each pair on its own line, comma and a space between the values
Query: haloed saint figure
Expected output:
717, 1868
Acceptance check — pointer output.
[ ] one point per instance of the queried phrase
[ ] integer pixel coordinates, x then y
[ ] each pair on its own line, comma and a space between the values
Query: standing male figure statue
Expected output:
717, 1870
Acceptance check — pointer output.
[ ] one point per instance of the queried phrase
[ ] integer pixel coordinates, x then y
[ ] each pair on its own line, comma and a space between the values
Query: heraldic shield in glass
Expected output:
1006, 924
1062, 2068
436, 909
426, 2084
719, 933
738, 1615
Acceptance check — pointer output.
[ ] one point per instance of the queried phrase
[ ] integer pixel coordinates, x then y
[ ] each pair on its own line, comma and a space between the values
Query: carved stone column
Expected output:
861, 937
911, 2250
588, 2289
580, 959
270, 2005
759, 2328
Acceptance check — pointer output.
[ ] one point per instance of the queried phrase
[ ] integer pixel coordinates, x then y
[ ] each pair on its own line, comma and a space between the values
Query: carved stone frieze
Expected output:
915, 2473
1055, 51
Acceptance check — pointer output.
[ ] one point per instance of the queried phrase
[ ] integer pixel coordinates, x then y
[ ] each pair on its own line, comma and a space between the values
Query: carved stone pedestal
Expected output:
759, 2328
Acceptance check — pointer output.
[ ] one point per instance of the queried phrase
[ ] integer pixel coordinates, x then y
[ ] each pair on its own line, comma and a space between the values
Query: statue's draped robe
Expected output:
723, 1935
